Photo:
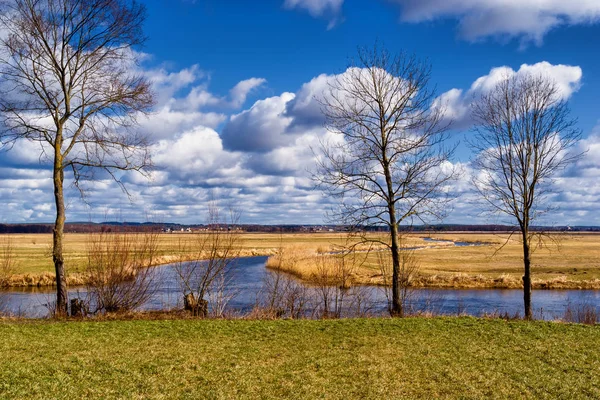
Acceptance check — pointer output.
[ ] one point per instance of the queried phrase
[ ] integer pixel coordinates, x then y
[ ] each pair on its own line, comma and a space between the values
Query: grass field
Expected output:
576, 264
335, 359
34, 251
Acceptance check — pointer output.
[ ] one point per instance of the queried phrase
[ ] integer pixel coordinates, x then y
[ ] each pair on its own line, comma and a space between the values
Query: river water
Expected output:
249, 274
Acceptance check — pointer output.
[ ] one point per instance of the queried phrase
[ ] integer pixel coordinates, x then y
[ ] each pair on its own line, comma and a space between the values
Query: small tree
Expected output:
522, 138
67, 84
387, 164
213, 256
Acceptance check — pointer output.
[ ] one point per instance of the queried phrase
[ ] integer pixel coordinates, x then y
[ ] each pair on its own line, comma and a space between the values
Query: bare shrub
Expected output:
219, 294
333, 281
119, 274
213, 254
360, 301
7, 268
7, 261
582, 314
284, 295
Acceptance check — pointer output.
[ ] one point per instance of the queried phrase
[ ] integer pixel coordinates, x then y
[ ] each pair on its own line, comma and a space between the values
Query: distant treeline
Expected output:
143, 227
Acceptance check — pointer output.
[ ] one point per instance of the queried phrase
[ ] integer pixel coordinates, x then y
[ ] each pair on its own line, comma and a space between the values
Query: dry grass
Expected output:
576, 264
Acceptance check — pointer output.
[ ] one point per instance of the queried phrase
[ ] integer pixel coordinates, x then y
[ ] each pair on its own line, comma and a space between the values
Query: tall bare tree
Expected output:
67, 82
387, 164
523, 136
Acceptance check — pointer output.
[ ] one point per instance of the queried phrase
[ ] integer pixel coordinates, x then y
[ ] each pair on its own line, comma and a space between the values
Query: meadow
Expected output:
334, 359
574, 263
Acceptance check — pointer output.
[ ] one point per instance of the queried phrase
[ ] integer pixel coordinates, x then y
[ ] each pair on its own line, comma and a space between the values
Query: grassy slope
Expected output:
376, 358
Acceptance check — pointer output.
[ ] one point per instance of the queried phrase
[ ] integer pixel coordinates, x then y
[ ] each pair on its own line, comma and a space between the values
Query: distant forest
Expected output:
172, 227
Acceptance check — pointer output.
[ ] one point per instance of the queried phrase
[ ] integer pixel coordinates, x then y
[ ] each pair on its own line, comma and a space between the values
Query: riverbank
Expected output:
48, 279
574, 265
356, 358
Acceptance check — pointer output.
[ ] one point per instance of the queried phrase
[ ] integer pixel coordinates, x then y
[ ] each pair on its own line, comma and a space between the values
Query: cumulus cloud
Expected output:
529, 20
330, 9
184, 101
200, 97
457, 102
261, 128
240, 92
258, 159
576, 190
166, 122
305, 108
296, 159
193, 157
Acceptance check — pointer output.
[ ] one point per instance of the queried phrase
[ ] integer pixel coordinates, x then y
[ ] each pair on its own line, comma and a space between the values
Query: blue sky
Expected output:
231, 77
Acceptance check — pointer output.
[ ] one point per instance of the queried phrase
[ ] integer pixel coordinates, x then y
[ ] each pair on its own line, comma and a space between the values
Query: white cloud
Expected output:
305, 107
240, 92
526, 19
199, 97
166, 122
261, 128
171, 89
258, 160
193, 157
319, 8
184, 101
457, 103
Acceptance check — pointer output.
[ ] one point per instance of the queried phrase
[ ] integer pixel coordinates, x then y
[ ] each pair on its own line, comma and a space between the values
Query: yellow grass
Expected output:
576, 264
33, 252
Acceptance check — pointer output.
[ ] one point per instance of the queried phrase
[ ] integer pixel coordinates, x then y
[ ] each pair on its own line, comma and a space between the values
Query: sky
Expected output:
236, 117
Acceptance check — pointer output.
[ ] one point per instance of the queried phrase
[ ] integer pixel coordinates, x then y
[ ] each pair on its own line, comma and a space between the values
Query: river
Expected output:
249, 275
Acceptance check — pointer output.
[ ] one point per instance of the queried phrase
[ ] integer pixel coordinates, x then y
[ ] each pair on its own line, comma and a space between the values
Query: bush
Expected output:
119, 274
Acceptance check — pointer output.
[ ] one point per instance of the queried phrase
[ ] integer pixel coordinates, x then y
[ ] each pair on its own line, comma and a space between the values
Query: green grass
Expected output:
363, 358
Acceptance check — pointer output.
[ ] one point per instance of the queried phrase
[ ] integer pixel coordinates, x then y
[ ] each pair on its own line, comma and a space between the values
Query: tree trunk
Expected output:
527, 276
397, 309
58, 234
397, 306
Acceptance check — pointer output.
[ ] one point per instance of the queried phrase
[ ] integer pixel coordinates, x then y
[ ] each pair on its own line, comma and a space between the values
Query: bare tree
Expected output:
522, 138
213, 257
388, 164
67, 82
